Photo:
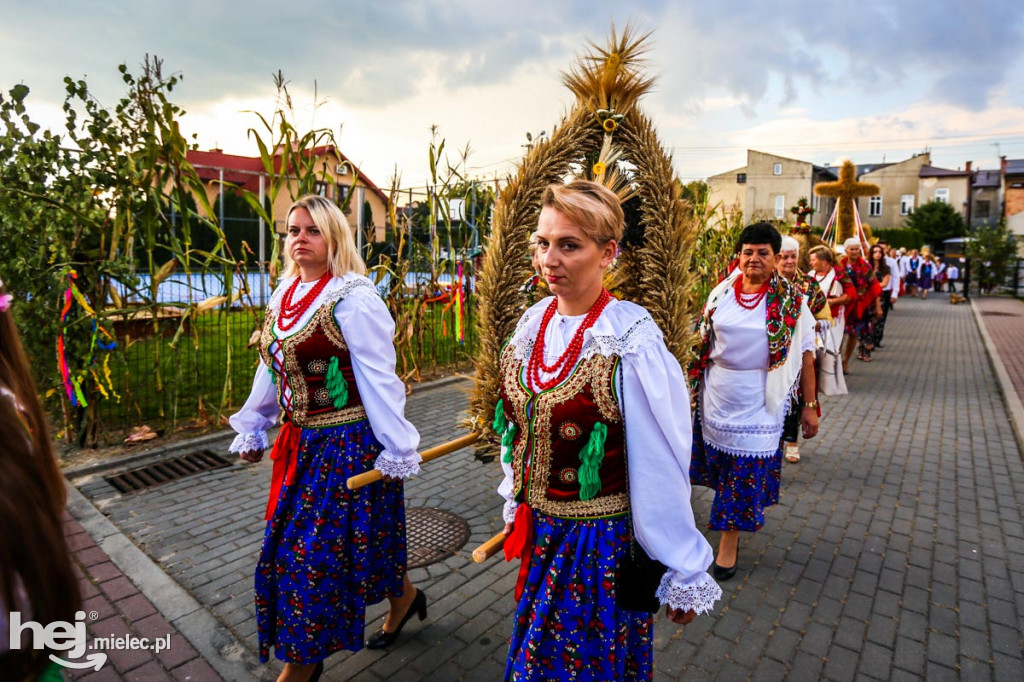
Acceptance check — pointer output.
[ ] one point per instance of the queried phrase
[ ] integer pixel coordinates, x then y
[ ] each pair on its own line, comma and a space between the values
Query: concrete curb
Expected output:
1014, 408
157, 453
209, 439
214, 642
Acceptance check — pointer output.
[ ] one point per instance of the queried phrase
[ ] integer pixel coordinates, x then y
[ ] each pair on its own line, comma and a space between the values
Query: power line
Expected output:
979, 138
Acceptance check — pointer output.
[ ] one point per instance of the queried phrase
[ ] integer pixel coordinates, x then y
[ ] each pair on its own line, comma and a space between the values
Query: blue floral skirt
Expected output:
566, 625
744, 486
328, 551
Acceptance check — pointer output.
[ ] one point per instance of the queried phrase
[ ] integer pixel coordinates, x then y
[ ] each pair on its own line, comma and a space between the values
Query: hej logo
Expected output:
60, 636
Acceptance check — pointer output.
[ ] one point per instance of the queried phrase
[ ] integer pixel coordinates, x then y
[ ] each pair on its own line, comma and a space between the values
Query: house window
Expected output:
942, 194
741, 178
777, 169
780, 206
906, 204
320, 189
340, 192
875, 207
982, 208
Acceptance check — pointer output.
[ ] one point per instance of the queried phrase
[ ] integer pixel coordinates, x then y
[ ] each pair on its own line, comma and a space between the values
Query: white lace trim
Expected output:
508, 512
249, 442
397, 467
736, 452
344, 290
330, 296
644, 333
275, 298
699, 596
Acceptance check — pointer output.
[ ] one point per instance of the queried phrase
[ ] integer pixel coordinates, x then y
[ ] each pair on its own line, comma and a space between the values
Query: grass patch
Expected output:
190, 383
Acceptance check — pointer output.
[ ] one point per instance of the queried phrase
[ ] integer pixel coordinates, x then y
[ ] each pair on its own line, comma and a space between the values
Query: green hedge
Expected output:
899, 237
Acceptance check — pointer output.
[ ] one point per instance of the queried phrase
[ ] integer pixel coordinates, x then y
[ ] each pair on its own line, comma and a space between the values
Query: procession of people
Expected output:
674, 477
603, 434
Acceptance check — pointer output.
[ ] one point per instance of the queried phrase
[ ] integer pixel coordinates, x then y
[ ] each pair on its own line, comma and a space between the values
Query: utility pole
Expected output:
263, 243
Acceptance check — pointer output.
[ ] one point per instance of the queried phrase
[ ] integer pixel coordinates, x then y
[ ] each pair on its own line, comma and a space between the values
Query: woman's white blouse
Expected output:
734, 416
838, 327
656, 408
369, 332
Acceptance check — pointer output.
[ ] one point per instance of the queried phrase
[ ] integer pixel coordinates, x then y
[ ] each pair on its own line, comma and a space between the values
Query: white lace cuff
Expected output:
248, 442
698, 595
508, 512
397, 467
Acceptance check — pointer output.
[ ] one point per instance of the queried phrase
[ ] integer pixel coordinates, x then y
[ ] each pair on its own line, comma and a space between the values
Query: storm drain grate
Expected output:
166, 471
433, 535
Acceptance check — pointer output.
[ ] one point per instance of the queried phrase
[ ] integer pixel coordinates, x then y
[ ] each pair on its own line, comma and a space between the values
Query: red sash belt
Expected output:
519, 543
285, 456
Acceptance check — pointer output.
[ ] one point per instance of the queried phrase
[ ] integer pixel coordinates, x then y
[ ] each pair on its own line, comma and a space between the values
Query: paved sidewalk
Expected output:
1004, 319
114, 607
1001, 321
896, 552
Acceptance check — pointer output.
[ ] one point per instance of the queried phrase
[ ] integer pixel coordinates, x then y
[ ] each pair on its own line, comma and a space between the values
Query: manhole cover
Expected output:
433, 535
166, 471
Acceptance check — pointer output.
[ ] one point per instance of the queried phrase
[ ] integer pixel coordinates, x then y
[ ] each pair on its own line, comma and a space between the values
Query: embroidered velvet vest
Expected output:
553, 427
308, 357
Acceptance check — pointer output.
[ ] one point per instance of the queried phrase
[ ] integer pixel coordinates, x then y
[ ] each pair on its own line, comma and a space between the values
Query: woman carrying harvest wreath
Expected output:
596, 445
328, 362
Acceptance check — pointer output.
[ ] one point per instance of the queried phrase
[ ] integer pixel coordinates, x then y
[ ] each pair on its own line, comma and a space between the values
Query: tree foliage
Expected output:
83, 204
992, 250
936, 221
112, 203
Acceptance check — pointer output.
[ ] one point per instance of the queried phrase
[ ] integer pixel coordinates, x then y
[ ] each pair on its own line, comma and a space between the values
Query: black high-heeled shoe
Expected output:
721, 573
382, 639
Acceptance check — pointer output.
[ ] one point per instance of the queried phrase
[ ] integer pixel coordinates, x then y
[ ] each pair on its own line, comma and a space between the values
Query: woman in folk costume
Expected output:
756, 344
913, 265
596, 438
883, 273
327, 361
925, 275
838, 290
786, 265
865, 306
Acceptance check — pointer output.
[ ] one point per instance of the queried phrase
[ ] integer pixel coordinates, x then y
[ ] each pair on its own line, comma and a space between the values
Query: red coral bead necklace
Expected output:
567, 360
749, 301
292, 312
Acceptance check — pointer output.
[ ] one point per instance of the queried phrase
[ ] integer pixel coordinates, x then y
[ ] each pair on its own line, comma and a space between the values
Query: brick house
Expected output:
1013, 205
368, 208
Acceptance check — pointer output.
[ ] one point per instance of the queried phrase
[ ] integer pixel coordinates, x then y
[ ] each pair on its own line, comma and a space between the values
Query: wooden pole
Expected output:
489, 548
373, 475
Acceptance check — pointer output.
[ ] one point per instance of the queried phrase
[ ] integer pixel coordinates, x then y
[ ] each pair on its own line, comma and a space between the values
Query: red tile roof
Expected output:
244, 171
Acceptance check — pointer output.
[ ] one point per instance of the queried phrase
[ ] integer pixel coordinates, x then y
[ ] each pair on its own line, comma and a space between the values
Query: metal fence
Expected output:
171, 369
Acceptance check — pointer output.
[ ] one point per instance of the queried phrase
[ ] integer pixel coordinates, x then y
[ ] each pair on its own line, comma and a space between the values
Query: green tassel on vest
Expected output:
591, 457
337, 386
506, 442
506, 429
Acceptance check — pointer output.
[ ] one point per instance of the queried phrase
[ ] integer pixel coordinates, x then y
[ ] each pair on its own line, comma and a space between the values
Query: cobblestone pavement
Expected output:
1004, 319
896, 552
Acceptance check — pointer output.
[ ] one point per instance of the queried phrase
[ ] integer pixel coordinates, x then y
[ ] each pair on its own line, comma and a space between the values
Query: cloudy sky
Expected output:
811, 79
